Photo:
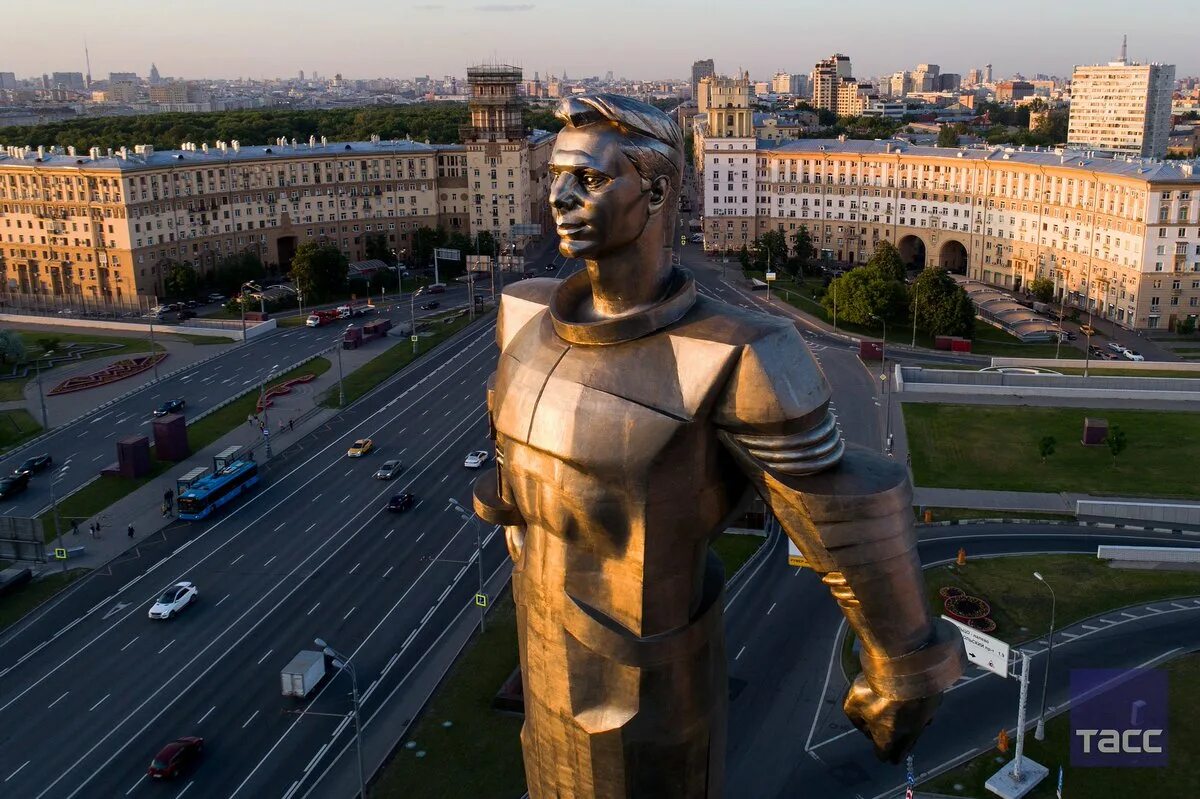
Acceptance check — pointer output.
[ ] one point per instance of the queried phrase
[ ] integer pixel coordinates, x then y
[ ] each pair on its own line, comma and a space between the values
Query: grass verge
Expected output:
1179, 778
392, 360
960, 514
16, 426
479, 755
200, 341
14, 605
946, 442
1020, 605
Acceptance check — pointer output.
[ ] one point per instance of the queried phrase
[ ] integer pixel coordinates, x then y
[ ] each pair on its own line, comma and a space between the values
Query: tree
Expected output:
12, 347
375, 247
744, 259
1186, 326
942, 307
802, 249
1116, 442
424, 241
772, 250
48, 344
181, 281
486, 244
1046, 447
319, 271
887, 258
234, 270
864, 293
948, 136
1042, 289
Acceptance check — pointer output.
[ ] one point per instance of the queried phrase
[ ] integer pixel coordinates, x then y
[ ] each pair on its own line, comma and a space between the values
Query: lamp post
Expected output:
887, 417
62, 472
337, 345
916, 298
342, 663
412, 319
468, 516
37, 364
153, 350
1040, 732
262, 401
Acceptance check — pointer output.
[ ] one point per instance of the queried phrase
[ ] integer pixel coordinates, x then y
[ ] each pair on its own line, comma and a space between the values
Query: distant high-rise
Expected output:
827, 77
154, 76
300, 75
8, 80
1122, 107
973, 77
925, 78
987, 73
122, 77
701, 69
67, 80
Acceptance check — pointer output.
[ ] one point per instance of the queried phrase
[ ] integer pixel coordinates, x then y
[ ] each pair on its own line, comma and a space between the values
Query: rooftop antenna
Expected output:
88, 60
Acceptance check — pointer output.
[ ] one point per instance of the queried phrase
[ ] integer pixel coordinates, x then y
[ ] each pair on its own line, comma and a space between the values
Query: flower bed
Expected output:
118, 370
964, 608
280, 389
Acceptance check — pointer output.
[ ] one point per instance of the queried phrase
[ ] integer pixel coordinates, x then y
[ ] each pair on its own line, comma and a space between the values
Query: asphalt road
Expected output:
90, 443
787, 728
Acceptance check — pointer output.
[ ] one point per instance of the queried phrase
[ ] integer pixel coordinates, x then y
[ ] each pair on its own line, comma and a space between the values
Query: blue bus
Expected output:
209, 493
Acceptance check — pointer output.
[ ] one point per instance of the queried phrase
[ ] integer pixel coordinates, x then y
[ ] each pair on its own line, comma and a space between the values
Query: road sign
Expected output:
683, 241
449, 255
983, 650
770, 275
794, 556
526, 230
60, 553
481, 600
415, 338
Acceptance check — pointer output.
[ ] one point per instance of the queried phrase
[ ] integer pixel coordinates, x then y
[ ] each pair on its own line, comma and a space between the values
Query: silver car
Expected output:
389, 470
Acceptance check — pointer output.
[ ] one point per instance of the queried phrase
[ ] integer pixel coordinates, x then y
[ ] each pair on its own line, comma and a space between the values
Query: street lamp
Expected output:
1040, 732
262, 401
887, 421
916, 299
37, 364
62, 472
412, 319
153, 349
337, 345
468, 516
342, 663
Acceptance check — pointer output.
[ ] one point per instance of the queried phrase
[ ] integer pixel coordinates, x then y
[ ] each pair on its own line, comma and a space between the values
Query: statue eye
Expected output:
593, 180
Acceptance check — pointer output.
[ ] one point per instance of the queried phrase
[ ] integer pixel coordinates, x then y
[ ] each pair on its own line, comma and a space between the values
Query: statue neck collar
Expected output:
574, 291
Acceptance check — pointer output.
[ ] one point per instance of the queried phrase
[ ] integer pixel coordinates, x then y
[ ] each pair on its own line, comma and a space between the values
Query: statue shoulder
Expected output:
519, 303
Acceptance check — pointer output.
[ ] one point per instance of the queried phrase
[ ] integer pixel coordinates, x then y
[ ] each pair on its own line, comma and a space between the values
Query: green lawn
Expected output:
15, 605
392, 360
16, 426
479, 755
959, 514
947, 443
1179, 779
90, 502
201, 341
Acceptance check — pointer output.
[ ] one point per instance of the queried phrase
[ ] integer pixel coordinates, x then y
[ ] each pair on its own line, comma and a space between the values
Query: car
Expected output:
475, 459
191, 304
12, 485
389, 470
360, 447
31, 466
214, 297
697, 238
184, 313
400, 502
1115, 347
550, 267
435, 288
1095, 351
176, 757
429, 306
173, 600
170, 406
1134, 355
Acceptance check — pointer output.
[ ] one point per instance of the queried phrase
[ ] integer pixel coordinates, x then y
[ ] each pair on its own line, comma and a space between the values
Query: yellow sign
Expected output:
481, 600
794, 556
60, 553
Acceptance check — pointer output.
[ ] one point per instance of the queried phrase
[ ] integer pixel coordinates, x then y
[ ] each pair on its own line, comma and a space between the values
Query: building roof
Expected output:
1138, 168
133, 161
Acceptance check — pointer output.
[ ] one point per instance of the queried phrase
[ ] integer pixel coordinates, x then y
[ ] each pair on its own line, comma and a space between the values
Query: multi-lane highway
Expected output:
90, 443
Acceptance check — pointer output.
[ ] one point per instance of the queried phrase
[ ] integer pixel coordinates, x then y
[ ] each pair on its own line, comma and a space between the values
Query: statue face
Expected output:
599, 200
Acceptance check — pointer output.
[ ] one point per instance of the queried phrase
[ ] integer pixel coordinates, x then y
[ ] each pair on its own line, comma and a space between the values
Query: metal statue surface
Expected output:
631, 418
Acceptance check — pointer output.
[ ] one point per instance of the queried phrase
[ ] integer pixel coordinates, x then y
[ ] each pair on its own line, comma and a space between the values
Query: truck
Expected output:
321, 318
347, 311
303, 673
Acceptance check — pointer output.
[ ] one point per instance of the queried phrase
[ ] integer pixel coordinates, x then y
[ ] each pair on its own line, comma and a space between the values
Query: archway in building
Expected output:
287, 251
953, 257
912, 252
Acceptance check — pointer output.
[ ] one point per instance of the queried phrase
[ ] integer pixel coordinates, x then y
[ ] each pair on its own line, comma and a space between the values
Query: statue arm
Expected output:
493, 502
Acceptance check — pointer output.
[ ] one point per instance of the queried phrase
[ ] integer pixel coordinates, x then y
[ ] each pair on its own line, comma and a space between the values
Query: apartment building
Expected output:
1122, 107
827, 76
1119, 237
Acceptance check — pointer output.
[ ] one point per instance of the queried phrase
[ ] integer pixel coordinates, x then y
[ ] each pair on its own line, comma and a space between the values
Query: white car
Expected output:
174, 599
475, 459
1133, 355
1115, 347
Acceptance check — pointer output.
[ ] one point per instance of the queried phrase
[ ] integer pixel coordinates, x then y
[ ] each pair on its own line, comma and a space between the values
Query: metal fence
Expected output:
75, 305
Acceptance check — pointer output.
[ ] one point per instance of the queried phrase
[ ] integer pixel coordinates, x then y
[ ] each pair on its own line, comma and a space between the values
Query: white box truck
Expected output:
303, 673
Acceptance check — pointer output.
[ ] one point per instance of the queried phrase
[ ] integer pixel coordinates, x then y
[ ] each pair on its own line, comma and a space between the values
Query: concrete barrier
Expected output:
1095, 363
1155, 515
914, 379
1148, 554
231, 329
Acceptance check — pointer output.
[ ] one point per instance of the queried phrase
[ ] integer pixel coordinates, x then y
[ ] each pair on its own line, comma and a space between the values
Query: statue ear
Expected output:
660, 189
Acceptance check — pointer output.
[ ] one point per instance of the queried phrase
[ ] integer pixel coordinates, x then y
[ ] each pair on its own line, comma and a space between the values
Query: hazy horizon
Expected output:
657, 40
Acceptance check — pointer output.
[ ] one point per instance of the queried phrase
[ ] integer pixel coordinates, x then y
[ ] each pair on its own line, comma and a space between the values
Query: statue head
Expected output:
616, 172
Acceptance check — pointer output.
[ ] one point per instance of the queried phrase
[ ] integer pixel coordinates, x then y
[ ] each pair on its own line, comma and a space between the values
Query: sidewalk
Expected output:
143, 508
1018, 500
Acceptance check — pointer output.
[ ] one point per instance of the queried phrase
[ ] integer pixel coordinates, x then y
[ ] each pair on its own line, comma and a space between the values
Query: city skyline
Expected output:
1030, 38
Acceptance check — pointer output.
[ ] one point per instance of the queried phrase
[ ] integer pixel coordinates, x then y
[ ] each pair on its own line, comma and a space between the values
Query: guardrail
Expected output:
1148, 554
1155, 515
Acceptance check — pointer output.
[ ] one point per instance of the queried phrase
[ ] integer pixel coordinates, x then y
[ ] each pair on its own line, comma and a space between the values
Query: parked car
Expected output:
184, 313
12, 485
214, 297
400, 502
360, 447
475, 459
170, 406
1115, 347
31, 466
173, 600
191, 304
550, 267
176, 757
429, 306
389, 470
1134, 355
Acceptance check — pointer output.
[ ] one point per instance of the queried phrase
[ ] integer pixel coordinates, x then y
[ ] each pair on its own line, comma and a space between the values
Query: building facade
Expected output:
1118, 237
1122, 107
826, 78
701, 69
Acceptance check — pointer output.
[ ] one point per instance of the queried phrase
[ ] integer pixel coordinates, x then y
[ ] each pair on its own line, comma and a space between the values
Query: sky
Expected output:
633, 38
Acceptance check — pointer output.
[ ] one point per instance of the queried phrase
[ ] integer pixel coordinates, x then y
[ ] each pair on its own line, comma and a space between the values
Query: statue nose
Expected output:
562, 192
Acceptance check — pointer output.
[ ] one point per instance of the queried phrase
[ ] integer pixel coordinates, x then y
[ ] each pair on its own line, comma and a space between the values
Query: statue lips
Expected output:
571, 230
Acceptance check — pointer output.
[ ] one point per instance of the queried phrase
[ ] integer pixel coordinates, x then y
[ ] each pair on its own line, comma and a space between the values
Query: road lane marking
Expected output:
130, 643
268, 563
314, 607
101, 416
185, 789
773, 604
266, 655
355, 568
389, 571
351, 610
56, 701
18, 771
344, 499
222, 599
389, 535
739, 654
310, 527
206, 715
135, 785
167, 644
247, 721
93, 707
281, 526
239, 557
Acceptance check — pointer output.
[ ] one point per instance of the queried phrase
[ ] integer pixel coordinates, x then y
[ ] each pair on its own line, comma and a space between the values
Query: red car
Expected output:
176, 757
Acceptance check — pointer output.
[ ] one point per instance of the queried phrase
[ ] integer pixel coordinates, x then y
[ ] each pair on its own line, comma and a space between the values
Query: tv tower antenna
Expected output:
88, 60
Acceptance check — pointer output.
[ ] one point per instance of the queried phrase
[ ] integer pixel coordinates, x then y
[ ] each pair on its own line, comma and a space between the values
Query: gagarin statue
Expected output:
631, 418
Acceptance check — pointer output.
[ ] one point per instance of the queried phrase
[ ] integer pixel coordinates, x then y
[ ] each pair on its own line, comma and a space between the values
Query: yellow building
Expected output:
1120, 237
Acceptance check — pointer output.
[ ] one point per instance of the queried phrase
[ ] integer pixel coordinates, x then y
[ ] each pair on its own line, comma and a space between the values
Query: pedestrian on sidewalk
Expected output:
131, 531
291, 424
74, 527
97, 528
